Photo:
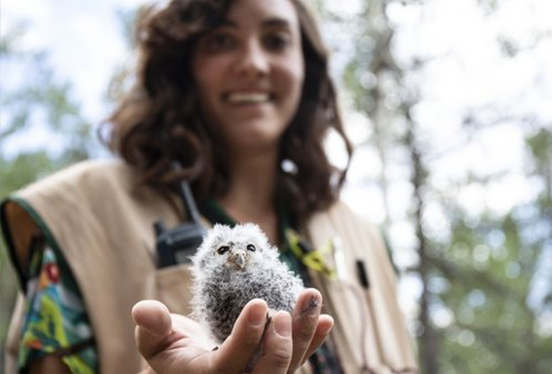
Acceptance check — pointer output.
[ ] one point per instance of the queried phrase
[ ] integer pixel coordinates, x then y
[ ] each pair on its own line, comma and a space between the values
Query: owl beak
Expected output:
239, 258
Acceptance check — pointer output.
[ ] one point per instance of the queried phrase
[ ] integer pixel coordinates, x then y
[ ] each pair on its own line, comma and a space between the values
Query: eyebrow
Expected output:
270, 22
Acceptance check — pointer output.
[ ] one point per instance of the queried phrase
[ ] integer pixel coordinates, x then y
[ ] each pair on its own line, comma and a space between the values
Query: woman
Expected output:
232, 90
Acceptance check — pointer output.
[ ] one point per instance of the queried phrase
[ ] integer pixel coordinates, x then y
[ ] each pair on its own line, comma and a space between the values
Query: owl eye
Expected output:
222, 250
251, 247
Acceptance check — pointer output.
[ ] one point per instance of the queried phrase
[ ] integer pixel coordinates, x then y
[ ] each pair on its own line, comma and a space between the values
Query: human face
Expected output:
249, 73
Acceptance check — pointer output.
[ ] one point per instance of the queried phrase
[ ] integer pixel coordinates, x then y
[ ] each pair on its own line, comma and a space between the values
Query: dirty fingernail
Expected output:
311, 306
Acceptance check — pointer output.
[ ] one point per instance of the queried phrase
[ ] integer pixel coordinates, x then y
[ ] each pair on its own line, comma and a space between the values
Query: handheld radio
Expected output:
176, 245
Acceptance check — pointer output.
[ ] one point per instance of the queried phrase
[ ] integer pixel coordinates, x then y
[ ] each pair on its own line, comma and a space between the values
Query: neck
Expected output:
251, 191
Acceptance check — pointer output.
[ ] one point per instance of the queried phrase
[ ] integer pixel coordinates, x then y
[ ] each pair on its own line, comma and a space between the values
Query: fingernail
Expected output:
311, 306
282, 324
257, 314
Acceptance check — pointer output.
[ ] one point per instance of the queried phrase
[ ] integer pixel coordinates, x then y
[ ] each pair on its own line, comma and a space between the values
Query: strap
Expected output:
215, 214
310, 257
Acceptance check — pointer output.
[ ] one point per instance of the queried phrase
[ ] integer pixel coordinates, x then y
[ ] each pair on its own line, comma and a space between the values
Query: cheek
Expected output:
207, 77
291, 78
293, 72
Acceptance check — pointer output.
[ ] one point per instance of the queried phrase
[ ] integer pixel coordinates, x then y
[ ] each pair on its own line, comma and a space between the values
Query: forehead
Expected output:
261, 11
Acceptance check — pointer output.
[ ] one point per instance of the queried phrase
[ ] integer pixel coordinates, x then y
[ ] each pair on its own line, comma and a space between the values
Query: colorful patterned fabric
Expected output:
55, 320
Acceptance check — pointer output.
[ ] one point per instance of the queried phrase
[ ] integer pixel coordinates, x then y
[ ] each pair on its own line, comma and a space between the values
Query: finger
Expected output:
277, 347
305, 322
325, 325
236, 351
153, 328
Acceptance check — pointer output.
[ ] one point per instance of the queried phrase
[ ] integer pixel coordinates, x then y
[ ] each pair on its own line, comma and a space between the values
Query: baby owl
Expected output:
233, 266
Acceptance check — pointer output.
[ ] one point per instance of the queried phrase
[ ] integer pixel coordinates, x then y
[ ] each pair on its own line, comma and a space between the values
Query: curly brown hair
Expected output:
158, 121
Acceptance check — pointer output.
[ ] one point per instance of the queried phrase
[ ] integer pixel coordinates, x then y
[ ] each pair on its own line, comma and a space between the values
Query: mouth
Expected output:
248, 98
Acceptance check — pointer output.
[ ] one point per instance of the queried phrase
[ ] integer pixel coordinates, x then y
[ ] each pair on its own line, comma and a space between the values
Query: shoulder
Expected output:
340, 214
93, 186
340, 222
90, 171
84, 176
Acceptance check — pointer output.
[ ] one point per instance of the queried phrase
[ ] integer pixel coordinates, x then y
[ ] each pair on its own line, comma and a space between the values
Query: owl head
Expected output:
235, 247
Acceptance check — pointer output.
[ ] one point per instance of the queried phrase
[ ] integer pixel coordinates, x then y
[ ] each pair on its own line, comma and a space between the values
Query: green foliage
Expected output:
23, 169
486, 302
488, 273
122, 76
43, 101
540, 151
9, 39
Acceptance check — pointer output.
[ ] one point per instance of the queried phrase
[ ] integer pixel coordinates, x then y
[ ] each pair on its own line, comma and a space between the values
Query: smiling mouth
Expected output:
248, 98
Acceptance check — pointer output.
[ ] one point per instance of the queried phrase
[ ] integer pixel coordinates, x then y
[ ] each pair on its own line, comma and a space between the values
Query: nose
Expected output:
253, 61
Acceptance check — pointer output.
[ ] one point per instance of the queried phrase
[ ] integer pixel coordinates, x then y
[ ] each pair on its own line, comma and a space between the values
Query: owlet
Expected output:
233, 266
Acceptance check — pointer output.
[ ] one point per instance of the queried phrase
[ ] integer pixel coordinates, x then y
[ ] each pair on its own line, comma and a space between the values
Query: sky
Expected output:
83, 38
465, 69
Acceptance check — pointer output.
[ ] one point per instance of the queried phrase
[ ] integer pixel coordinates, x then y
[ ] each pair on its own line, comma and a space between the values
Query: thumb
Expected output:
153, 326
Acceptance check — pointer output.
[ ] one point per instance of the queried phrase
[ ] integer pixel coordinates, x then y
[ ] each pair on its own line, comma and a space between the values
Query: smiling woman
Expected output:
249, 73
226, 93
197, 64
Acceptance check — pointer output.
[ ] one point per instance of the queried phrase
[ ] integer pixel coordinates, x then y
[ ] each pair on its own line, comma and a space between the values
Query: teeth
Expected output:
246, 98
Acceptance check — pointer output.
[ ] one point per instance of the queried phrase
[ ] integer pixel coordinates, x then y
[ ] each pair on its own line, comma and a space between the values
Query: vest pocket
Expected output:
173, 286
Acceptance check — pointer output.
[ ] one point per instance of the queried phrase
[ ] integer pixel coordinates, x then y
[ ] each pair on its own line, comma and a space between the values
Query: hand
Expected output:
174, 344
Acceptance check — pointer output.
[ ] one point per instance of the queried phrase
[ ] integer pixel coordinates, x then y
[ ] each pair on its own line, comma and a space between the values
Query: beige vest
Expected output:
103, 223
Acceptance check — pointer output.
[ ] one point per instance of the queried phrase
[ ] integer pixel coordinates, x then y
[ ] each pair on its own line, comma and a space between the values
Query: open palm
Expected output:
174, 344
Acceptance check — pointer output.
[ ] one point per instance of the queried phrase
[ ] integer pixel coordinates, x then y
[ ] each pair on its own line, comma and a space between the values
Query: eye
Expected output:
251, 247
222, 250
277, 42
219, 41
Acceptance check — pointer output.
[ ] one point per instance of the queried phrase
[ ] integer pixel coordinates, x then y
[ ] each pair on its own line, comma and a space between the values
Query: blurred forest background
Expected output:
449, 104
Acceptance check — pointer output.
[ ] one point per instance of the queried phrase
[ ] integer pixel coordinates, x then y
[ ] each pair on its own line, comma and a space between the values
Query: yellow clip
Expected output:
313, 259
